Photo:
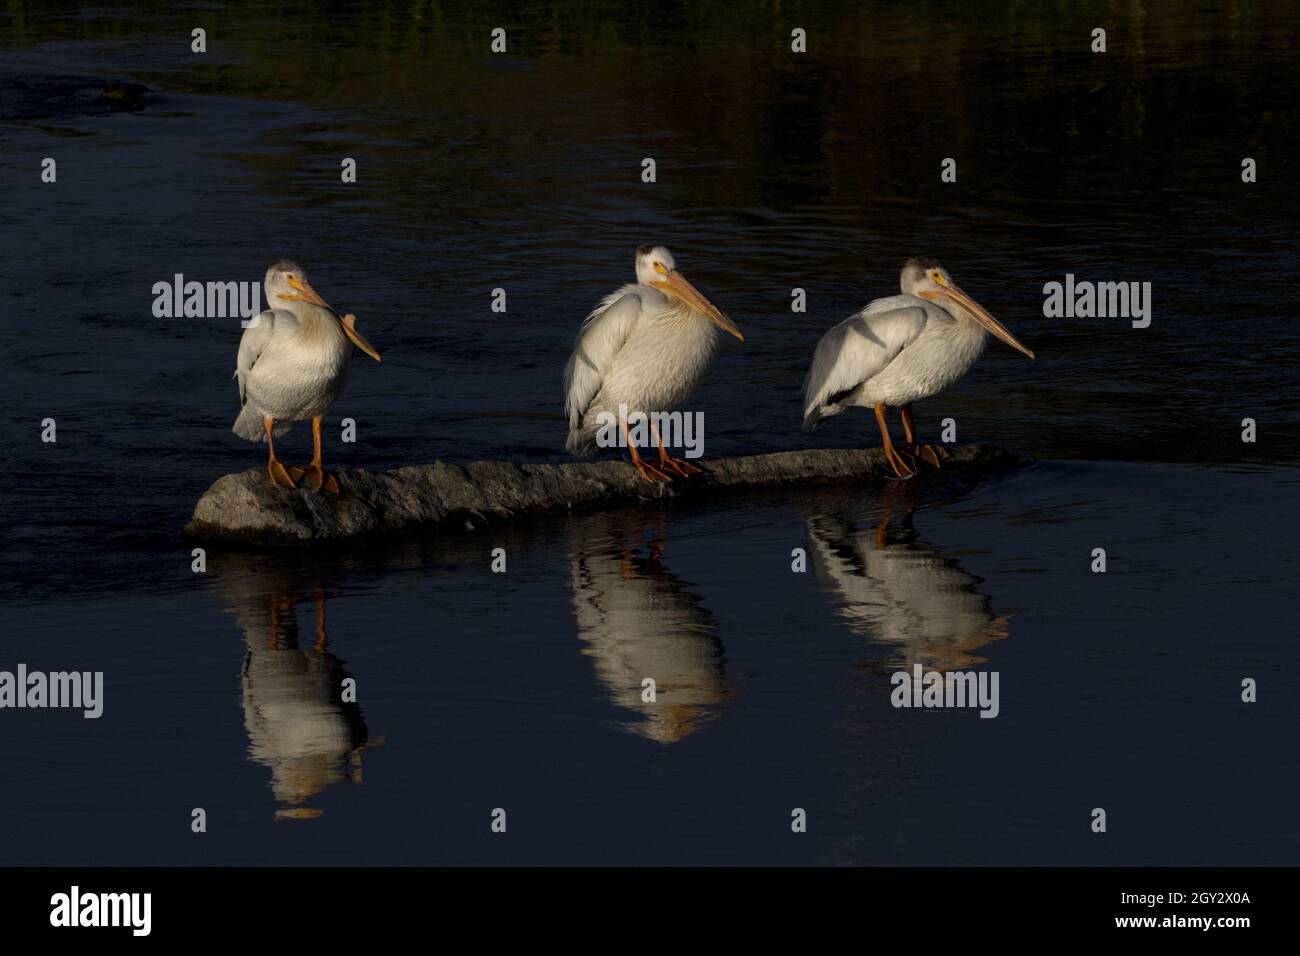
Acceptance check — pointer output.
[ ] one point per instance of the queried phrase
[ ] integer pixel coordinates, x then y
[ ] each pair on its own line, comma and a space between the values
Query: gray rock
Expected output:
246, 508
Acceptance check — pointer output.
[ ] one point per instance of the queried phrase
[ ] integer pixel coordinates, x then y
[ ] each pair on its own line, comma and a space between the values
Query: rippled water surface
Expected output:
775, 171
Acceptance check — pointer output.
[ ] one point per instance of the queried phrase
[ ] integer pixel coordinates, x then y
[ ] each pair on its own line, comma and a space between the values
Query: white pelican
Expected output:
298, 726
645, 347
898, 350
293, 362
903, 593
636, 620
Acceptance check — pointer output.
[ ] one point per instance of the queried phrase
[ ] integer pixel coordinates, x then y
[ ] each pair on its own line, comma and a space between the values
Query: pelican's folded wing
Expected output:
602, 335
254, 341
856, 350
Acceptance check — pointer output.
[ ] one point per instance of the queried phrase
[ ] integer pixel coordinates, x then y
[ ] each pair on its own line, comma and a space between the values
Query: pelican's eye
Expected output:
293, 281
659, 268
937, 276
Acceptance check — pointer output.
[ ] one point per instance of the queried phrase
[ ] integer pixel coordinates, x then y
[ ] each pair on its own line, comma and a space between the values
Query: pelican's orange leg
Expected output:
929, 453
908, 432
668, 462
321, 638
274, 467
317, 476
648, 472
897, 461
274, 637
283, 632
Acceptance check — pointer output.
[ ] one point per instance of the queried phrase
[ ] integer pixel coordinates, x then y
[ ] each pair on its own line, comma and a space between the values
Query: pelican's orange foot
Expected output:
903, 464
679, 466
280, 475
649, 472
320, 479
931, 454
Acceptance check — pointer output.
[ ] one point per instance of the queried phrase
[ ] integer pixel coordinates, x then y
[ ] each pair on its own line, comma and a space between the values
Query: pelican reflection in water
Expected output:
298, 724
637, 620
903, 593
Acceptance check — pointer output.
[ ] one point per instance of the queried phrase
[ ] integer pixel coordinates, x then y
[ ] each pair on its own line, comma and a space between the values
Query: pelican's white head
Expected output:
923, 275
286, 284
655, 267
926, 279
653, 263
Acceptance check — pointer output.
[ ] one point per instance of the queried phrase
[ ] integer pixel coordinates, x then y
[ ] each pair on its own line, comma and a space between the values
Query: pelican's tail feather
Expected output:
249, 425
818, 413
581, 441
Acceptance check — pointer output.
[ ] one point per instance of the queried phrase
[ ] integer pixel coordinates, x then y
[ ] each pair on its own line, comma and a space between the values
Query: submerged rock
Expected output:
125, 96
247, 508
24, 98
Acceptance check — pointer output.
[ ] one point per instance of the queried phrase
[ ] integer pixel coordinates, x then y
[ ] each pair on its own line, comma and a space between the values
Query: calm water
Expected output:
479, 690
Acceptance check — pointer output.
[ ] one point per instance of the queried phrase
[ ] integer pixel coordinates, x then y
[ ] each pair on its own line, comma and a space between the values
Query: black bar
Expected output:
328, 905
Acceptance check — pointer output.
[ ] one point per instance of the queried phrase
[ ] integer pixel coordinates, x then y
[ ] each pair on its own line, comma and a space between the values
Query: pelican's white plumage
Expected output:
854, 354
635, 618
638, 349
898, 350
644, 349
288, 373
293, 363
904, 593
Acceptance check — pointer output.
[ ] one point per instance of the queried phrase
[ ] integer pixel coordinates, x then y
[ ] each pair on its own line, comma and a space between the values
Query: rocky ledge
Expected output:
246, 508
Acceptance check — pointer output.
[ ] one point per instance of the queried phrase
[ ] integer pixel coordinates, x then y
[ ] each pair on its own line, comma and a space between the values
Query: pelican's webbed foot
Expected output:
280, 475
678, 466
934, 455
902, 463
649, 472
319, 479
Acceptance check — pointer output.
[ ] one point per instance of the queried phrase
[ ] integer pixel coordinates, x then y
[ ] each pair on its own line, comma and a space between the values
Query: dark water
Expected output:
479, 690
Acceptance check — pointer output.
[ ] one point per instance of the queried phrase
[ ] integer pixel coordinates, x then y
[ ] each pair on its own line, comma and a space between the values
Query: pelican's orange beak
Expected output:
307, 294
359, 340
675, 283
981, 316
